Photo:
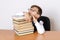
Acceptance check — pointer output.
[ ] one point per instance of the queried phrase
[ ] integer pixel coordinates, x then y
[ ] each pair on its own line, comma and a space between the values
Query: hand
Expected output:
34, 19
27, 16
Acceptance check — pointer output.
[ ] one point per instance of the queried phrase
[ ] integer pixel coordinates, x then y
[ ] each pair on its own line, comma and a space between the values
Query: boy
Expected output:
34, 15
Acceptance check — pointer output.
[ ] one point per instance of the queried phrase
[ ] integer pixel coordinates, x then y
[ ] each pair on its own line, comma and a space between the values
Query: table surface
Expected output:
48, 35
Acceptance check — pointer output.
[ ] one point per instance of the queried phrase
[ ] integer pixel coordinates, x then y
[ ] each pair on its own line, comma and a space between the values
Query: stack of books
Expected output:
21, 26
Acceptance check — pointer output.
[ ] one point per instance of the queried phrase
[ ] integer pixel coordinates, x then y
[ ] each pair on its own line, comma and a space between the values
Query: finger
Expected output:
33, 18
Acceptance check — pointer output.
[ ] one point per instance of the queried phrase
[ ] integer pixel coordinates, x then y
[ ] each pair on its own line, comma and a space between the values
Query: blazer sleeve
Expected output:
40, 27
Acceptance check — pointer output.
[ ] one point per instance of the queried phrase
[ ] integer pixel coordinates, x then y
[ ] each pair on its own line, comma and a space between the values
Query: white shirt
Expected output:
40, 27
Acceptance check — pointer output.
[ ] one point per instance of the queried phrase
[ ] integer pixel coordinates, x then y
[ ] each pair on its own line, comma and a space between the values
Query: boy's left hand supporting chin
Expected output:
34, 19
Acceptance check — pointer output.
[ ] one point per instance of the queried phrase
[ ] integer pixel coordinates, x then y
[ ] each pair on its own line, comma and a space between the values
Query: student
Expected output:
35, 12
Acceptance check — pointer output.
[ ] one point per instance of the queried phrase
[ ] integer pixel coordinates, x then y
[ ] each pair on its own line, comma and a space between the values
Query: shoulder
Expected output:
41, 22
43, 18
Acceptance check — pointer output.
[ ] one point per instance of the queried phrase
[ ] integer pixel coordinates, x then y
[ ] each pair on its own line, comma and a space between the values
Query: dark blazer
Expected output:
46, 23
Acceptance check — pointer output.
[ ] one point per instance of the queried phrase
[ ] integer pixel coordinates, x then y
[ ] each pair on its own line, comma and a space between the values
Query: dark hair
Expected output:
39, 9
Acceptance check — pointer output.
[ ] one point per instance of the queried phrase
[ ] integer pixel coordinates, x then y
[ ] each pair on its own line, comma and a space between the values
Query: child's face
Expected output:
33, 11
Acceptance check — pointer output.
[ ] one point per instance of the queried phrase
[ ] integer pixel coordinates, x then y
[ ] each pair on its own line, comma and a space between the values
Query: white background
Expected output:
51, 8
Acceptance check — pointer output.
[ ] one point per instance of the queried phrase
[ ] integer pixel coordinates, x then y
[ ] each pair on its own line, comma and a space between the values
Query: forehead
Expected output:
34, 8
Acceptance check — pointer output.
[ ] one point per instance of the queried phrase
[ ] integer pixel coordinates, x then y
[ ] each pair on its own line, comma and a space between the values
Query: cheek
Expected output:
32, 13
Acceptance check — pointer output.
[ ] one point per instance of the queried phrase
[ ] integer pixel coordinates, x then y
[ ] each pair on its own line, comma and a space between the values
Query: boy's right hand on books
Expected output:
27, 17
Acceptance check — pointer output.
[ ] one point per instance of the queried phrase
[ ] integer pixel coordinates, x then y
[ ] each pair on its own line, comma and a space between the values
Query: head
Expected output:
35, 10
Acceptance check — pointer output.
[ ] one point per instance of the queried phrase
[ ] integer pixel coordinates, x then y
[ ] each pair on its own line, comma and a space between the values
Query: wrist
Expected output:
35, 21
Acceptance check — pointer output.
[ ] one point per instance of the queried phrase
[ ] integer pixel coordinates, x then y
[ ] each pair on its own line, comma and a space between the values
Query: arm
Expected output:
39, 26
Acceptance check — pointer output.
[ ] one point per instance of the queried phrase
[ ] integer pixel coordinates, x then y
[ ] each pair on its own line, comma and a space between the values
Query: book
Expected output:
23, 33
21, 26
